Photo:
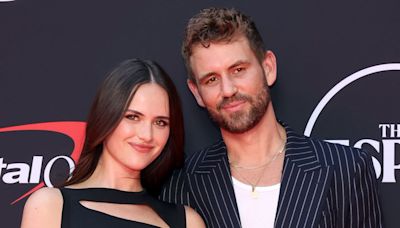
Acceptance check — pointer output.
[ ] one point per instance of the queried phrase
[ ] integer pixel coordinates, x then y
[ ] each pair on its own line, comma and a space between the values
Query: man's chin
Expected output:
236, 126
235, 129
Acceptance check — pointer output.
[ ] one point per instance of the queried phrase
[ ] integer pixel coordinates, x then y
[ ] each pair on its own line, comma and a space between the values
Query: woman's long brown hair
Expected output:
108, 108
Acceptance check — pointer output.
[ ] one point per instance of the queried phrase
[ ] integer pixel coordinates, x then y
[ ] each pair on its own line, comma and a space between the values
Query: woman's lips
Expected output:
144, 148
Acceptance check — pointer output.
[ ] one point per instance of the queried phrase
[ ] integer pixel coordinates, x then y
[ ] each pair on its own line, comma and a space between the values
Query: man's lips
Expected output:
144, 148
233, 106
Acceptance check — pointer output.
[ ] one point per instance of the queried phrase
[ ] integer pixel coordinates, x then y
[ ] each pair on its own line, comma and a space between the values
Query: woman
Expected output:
134, 139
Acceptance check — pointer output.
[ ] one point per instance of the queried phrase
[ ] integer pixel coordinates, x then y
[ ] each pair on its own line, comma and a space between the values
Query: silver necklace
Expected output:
254, 194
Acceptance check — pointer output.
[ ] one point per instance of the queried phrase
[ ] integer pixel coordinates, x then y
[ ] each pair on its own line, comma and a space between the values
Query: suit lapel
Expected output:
304, 183
215, 193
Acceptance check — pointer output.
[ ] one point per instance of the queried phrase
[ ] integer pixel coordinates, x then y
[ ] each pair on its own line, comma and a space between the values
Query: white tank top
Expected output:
256, 209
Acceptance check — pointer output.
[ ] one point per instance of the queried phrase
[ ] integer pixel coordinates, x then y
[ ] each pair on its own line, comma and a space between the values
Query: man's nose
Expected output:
228, 87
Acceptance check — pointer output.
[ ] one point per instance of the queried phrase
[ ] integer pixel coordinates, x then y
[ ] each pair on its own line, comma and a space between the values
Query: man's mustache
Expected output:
236, 97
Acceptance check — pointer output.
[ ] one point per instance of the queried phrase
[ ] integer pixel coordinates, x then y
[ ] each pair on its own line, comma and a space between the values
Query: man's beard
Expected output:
243, 120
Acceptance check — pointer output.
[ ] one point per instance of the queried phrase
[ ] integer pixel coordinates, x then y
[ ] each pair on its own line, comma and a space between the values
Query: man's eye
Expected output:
238, 70
211, 79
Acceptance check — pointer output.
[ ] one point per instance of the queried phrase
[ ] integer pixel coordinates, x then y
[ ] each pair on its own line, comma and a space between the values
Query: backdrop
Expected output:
338, 78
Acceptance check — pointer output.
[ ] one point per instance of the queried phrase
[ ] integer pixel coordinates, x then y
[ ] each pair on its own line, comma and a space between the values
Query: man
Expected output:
262, 174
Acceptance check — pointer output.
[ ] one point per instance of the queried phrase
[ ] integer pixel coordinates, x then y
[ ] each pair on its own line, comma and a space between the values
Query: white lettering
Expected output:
394, 130
384, 128
50, 165
389, 160
2, 165
19, 176
19, 172
36, 169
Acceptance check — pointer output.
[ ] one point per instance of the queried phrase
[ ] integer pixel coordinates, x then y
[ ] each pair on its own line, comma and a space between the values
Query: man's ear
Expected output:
270, 67
195, 91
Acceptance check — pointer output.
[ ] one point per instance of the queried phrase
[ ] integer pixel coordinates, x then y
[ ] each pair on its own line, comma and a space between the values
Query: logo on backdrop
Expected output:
23, 173
390, 132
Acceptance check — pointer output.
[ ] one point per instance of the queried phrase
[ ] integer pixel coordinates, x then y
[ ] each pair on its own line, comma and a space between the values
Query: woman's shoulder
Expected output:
193, 219
43, 208
46, 196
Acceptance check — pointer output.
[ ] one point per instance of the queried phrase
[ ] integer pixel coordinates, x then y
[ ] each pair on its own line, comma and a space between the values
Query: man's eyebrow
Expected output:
202, 77
238, 63
235, 64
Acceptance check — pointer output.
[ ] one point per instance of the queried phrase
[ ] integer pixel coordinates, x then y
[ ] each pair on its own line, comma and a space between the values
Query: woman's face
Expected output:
143, 131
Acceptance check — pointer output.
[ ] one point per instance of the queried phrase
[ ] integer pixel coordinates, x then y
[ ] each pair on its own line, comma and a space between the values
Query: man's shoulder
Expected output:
210, 154
335, 153
198, 163
327, 153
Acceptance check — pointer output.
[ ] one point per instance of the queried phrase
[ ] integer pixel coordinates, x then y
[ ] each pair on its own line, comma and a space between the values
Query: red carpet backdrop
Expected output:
338, 79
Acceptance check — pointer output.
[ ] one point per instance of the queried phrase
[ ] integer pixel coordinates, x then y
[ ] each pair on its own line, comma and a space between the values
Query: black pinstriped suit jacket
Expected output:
323, 185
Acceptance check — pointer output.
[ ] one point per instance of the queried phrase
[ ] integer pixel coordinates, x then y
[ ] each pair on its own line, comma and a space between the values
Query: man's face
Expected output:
232, 84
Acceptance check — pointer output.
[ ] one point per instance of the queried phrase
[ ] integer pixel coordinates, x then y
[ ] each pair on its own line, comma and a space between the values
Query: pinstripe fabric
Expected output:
323, 185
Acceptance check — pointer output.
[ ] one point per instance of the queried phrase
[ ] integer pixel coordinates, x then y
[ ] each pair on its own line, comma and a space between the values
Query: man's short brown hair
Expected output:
219, 25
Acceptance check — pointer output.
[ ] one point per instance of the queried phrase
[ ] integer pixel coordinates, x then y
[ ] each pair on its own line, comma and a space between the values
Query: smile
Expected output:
233, 106
143, 148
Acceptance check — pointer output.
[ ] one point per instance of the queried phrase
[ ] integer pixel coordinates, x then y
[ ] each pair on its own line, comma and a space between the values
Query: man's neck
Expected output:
258, 144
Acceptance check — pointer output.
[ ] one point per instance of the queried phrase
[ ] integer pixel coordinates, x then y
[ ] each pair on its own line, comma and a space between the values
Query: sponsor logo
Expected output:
390, 132
23, 173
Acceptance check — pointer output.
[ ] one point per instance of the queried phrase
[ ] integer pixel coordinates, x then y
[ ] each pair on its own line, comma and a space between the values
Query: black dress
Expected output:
75, 215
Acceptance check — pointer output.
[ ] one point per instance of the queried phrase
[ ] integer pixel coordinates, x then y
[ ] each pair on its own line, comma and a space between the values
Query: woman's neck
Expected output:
108, 174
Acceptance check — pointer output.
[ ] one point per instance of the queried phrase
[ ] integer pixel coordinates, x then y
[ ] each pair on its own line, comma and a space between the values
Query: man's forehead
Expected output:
220, 53
203, 44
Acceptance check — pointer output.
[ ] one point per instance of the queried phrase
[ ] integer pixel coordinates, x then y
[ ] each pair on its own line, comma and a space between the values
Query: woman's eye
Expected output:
161, 123
132, 117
